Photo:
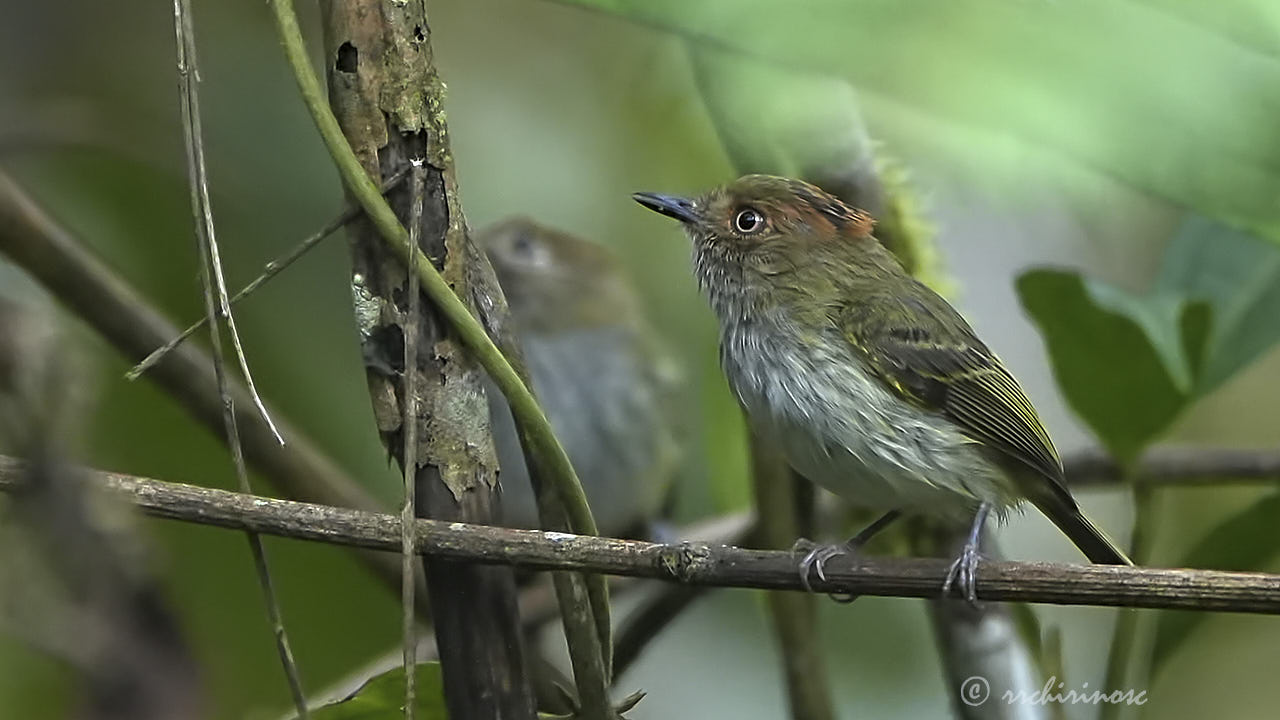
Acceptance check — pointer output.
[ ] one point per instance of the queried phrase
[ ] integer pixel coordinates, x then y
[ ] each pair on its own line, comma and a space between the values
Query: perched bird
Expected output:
873, 385
606, 384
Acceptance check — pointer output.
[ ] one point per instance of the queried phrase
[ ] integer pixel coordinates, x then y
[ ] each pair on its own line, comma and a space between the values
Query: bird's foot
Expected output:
963, 573
818, 555
815, 560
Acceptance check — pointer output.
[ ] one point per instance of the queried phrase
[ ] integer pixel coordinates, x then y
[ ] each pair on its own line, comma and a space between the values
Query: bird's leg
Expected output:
964, 571
818, 555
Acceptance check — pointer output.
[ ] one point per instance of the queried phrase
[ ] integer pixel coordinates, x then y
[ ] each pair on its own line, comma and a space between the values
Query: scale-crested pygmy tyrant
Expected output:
606, 383
874, 386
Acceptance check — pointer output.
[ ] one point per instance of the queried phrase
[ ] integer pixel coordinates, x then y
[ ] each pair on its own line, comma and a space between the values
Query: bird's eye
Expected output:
748, 220
528, 251
522, 245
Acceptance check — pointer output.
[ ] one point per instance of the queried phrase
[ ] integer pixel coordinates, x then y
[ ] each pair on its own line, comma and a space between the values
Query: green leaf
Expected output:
1176, 97
381, 697
1196, 324
1117, 357
1245, 541
1129, 364
1239, 276
1160, 318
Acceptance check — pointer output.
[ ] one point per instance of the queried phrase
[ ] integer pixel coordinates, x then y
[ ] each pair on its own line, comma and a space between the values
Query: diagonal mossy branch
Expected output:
91, 290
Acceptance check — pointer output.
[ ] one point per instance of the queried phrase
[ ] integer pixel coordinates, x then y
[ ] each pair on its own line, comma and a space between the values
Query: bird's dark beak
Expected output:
670, 205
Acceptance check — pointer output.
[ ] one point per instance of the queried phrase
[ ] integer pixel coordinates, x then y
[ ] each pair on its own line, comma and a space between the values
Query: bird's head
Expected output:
768, 233
554, 280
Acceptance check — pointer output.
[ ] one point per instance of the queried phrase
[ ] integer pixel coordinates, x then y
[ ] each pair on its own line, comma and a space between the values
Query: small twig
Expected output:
224, 308
273, 268
694, 563
409, 511
211, 278
188, 79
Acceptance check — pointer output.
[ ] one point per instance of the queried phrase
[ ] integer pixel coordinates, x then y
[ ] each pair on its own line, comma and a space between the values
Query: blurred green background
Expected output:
1075, 135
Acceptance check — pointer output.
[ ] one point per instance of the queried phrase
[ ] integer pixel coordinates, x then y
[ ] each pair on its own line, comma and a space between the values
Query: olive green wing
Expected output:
919, 346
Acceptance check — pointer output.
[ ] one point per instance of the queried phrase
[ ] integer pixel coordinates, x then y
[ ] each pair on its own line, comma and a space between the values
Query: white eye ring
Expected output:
748, 220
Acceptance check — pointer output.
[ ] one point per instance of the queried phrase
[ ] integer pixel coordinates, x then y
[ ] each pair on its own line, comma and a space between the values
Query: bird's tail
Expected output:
1088, 537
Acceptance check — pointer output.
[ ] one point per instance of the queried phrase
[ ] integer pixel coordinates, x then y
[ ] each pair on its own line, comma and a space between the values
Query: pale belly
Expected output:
843, 429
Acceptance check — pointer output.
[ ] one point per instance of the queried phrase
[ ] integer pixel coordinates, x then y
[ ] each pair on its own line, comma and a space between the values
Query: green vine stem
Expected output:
524, 407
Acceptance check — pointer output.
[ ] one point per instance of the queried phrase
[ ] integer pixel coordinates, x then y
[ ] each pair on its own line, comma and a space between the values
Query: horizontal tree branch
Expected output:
1175, 466
694, 563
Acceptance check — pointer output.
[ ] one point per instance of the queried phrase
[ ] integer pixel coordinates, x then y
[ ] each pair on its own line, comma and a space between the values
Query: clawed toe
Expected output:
815, 561
963, 574
816, 556
808, 561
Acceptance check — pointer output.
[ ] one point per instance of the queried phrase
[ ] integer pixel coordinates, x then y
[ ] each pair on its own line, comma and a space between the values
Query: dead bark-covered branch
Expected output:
385, 107
386, 100
694, 563
110, 305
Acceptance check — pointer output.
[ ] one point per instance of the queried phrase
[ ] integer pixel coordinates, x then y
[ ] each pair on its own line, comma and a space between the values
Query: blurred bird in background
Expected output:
600, 373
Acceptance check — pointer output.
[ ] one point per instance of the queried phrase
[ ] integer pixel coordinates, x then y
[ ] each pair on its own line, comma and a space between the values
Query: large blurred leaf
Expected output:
812, 128
1129, 364
1245, 541
1117, 357
1173, 96
382, 698
1239, 276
